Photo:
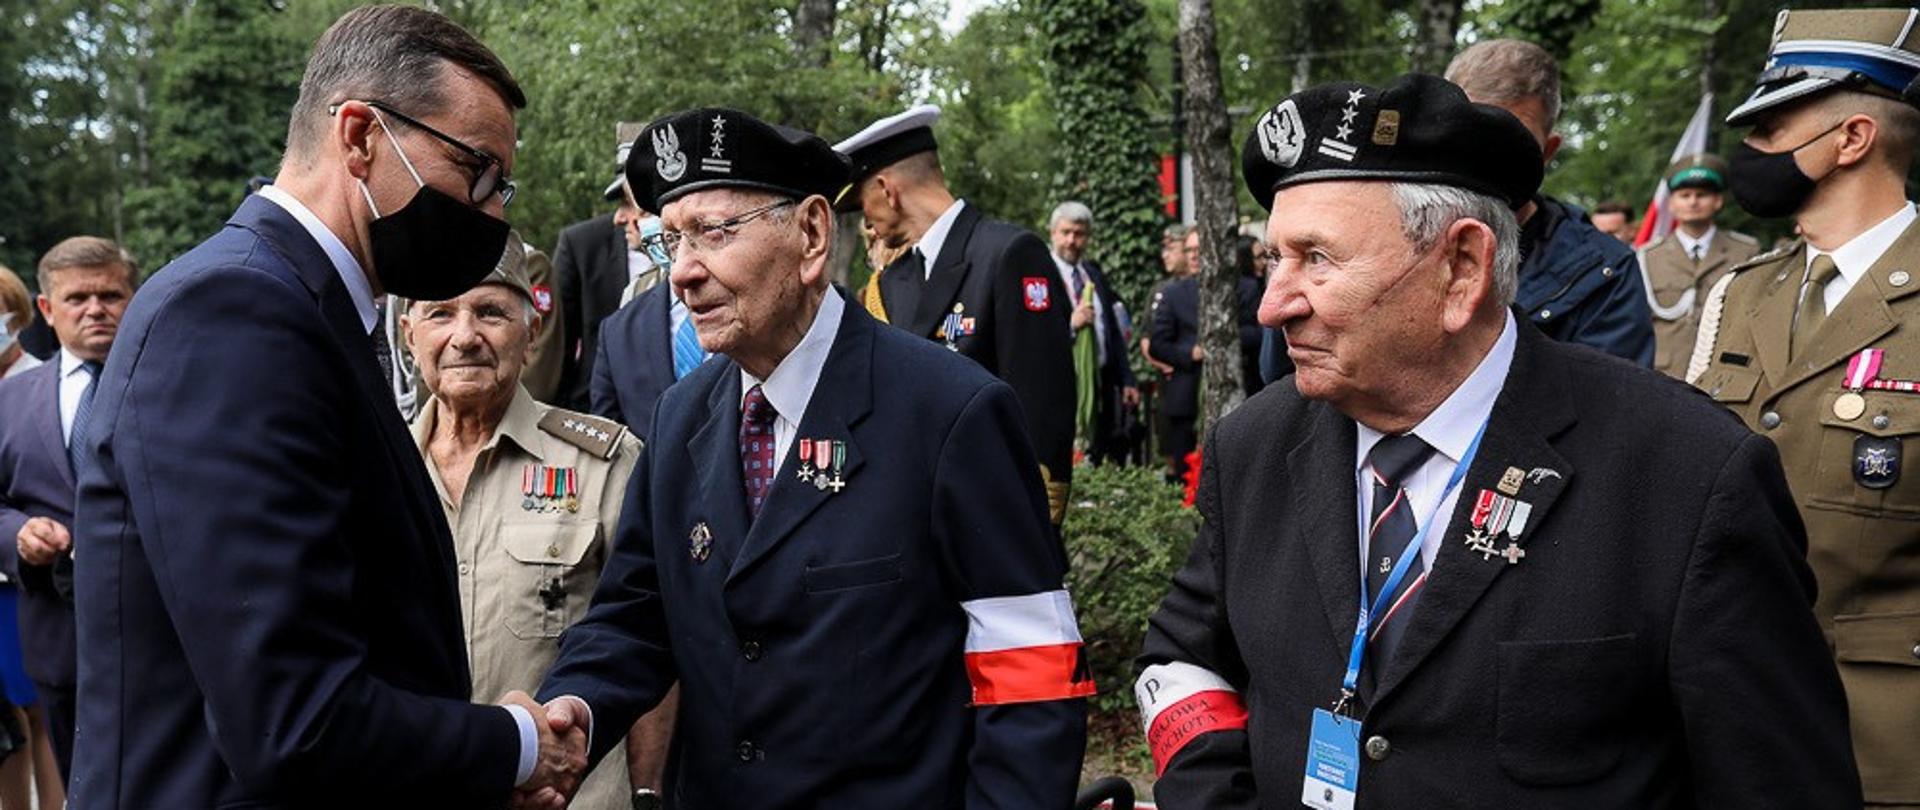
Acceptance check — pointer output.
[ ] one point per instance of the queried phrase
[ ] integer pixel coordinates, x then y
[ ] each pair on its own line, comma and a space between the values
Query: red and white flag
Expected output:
1658, 220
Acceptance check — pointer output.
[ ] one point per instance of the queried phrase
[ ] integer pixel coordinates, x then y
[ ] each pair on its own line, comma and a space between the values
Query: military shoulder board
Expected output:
598, 437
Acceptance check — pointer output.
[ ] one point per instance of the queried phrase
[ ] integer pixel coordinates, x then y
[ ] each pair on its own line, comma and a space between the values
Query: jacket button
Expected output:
1377, 748
1881, 422
1606, 272
750, 650
747, 751
1770, 420
465, 569
1916, 650
1545, 314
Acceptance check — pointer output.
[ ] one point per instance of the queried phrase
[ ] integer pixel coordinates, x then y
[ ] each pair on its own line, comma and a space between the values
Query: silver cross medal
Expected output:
1517, 524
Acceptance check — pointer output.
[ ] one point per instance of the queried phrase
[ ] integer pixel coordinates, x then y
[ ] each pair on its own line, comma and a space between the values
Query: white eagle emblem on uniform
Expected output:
671, 163
1282, 136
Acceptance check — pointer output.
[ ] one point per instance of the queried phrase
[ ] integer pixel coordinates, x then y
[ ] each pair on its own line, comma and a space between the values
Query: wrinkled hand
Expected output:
1083, 314
562, 762
40, 540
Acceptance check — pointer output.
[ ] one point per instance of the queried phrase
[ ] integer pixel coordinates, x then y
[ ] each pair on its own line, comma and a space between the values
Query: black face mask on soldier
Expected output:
1770, 184
435, 247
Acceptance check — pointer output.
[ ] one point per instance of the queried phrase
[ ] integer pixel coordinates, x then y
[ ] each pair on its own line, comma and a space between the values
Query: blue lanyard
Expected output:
1350, 684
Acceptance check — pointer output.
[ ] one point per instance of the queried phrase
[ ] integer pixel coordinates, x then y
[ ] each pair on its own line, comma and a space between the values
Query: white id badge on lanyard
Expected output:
1333, 762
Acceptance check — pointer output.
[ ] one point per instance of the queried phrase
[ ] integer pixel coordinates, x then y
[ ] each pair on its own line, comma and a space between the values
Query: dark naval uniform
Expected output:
993, 294
996, 287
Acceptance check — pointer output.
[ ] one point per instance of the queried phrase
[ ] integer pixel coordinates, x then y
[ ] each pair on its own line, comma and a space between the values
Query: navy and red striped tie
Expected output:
1391, 528
756, 448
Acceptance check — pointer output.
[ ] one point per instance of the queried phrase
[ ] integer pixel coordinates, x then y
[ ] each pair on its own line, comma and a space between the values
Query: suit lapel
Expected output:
1324, 500
714, 453
49, 419
1531, 410
944, 285
1863, 315
1771, 320
841, 399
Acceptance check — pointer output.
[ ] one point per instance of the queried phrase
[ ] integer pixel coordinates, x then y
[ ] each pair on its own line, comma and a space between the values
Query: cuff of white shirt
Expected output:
584, 708
529, 743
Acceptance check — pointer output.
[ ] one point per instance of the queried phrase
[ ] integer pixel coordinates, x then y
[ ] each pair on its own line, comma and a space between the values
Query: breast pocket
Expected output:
1879, 658
1561, 708
835, 577
1865, 442
1728, 384
545, 585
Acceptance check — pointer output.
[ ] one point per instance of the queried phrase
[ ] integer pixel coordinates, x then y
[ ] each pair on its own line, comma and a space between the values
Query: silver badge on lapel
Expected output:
700, 542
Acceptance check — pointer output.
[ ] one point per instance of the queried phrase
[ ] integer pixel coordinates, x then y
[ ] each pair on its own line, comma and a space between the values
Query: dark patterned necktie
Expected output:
82, 411
756, 448
1390, 528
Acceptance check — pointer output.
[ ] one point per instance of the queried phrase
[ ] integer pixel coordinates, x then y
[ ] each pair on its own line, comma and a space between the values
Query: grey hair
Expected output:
1071, 211
1503, 71
1426, 210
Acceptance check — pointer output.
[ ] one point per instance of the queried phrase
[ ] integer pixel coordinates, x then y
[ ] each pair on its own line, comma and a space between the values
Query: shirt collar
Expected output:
1857, 256
936, 235
790, 387
1705, 241
351, 273
1451, 427
521, 423
70, 363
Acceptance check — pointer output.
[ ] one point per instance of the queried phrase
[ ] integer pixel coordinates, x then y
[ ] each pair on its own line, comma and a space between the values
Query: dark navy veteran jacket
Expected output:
268, 614
903, 642
1652, 645
635, 362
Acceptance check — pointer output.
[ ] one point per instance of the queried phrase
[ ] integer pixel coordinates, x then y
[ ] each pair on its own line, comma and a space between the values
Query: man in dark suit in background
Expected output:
1616, 613
1105, 384
835, 536
269, 613
591, 268
981, 287
86, 283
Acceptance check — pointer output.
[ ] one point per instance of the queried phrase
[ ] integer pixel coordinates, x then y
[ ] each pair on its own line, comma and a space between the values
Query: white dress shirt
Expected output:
361, 290
790, 387
936, 235
1067, 274
1696, 248
1449, 430
351, 273
1857, 256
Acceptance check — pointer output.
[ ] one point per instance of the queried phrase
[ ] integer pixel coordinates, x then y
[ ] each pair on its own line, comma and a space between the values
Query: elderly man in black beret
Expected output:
1450, 562
836, 538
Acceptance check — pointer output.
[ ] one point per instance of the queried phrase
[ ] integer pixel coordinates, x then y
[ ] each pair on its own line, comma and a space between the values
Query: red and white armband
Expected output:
1025, 649
1179, 702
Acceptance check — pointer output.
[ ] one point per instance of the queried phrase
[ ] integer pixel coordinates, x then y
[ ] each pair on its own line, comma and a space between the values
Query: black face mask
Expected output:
1770, 184
435, 247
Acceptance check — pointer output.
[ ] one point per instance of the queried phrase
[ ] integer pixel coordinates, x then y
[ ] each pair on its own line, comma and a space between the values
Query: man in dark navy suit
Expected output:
268, 613
835, 538
86, 283
644, 347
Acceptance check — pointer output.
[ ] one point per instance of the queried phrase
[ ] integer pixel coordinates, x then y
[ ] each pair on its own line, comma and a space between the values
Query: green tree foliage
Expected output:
220, 117
1096, 72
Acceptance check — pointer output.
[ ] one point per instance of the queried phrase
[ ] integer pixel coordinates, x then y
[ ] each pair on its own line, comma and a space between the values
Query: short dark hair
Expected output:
393, 54
1613, 207
83, 251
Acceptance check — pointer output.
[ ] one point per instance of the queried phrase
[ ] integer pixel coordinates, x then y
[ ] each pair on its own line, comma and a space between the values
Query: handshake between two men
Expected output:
562, 763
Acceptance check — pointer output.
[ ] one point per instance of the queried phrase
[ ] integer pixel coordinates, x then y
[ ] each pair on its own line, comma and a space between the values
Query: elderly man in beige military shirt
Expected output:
1682, 266
1817, 347
532, 493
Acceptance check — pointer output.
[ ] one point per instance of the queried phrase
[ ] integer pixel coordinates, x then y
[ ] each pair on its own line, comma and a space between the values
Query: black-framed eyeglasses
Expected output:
492, 177
709, 237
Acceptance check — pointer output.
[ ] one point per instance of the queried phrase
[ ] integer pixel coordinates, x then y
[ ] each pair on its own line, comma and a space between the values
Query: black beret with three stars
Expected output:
1419, 129
715, 147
